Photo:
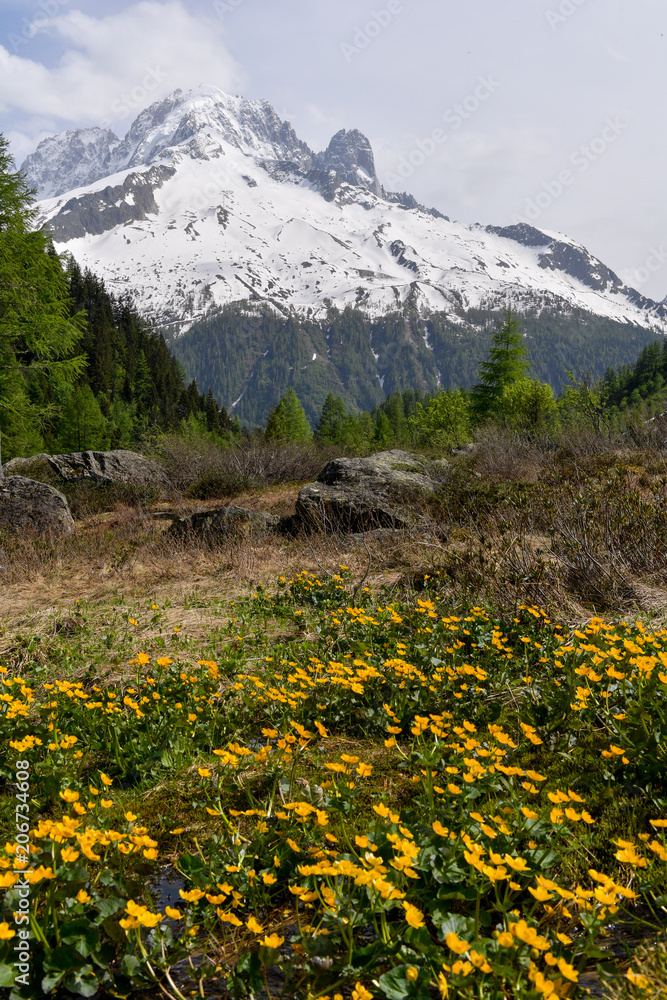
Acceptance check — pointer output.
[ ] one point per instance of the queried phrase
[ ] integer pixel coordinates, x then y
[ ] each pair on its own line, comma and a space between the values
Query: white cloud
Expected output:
110, 68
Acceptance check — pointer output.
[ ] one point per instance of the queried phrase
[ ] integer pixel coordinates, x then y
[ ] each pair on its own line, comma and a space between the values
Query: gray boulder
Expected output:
29, 506
105, 467
36, 467
221, 522
362, 494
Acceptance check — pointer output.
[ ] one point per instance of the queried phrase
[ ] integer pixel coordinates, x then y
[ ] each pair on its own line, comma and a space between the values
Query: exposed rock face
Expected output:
361, 494
221, 523
350, 155
72, 159
120, 204
105, 467
26, 505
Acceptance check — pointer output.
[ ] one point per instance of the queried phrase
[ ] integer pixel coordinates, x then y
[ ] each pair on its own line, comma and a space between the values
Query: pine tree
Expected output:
506, 363
288, 421
38, 334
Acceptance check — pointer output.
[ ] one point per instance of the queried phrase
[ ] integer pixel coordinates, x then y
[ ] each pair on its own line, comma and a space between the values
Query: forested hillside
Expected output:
130, 385
251, 354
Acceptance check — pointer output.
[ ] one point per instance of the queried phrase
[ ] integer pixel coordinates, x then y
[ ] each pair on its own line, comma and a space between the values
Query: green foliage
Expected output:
252, 353
333, 425
582, 403
527, 403
447, 778
82, 425
444, 420
506, 364
288, 422
39, 332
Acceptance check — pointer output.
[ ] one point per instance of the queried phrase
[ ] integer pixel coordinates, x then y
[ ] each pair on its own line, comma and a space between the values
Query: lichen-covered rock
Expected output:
29, 506
363, 494
222, 522
106, 467
340, 508
35, 467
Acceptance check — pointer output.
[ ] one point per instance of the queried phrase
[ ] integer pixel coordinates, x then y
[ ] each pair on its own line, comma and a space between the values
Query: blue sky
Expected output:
545, 110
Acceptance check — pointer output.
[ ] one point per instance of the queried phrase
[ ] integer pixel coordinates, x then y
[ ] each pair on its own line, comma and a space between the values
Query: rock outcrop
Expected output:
361, 494
29, 506
221, 522
105, 467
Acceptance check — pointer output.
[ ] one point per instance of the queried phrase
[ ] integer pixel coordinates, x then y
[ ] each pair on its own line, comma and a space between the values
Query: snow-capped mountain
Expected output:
209, 199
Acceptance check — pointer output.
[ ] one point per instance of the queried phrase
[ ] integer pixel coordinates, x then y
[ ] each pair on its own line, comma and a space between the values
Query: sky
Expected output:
492, 111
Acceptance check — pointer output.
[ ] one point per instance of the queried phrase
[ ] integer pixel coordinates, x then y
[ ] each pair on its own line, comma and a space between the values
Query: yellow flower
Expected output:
69, 796
361, 993
5, 932
540, 894
82, 895
412, 974
454, 943
567, 970
203, 772
106, 803
69, 854
172, 912
441, 830
442, 986
268, 878
505, 939
191, 896
106, 780
254, 925
640, 981
130, 817
413, 916
273, 941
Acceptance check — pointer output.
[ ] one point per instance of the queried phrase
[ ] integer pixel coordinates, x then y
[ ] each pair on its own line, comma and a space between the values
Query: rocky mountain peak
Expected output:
70, 160
350, 155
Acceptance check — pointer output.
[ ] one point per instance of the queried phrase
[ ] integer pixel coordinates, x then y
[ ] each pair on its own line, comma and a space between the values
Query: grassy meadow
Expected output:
333, 767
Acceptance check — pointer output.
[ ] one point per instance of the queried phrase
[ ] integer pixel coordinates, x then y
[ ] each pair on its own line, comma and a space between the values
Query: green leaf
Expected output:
394, 984
87, 987
107, 907
83, 934
63, 959
130, 965
7, 974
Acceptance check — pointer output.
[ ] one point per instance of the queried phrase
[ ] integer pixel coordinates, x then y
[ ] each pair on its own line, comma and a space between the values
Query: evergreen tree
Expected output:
38, 333
333, 426
288, 421
506, 364
82, 425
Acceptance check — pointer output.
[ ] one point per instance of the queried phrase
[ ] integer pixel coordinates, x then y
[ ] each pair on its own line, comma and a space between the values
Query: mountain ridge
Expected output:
210, 198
